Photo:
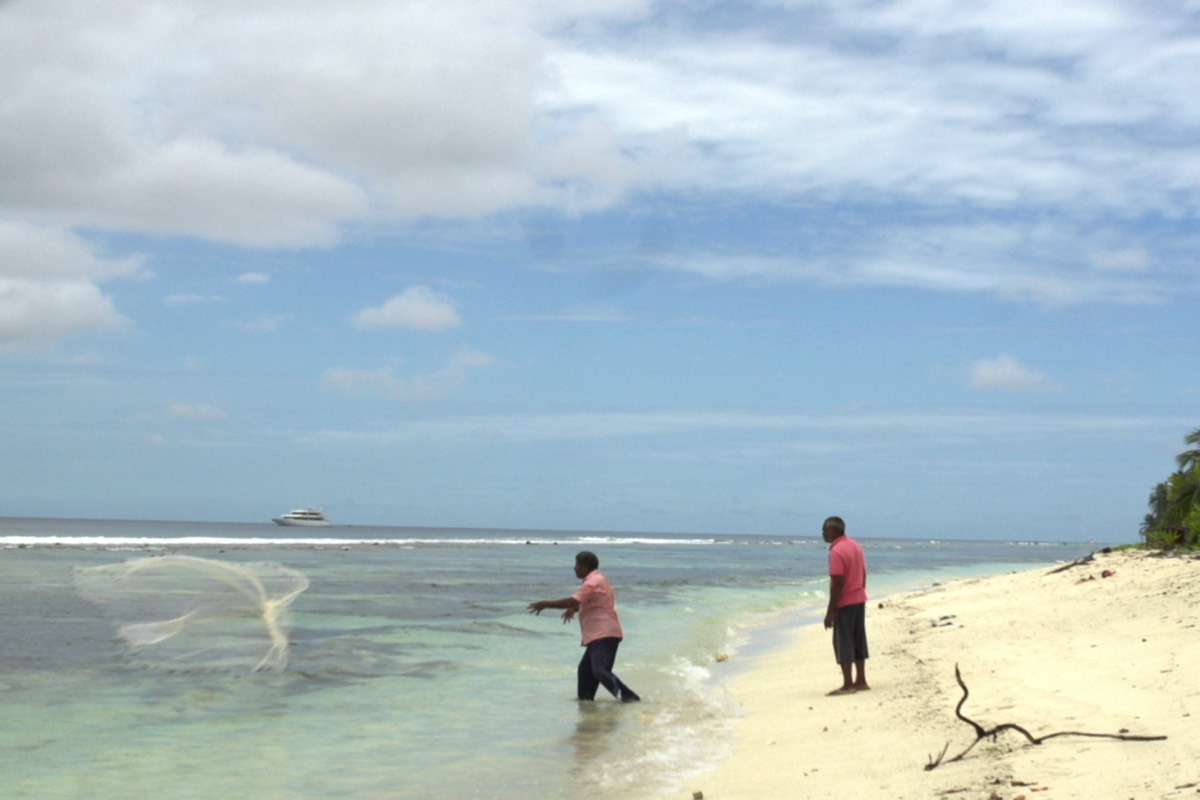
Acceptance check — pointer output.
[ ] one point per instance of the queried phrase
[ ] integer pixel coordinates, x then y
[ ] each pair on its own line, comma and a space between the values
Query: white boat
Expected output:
303, 517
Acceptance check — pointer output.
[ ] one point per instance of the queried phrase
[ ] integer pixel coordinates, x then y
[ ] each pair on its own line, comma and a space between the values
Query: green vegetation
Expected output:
1174, 518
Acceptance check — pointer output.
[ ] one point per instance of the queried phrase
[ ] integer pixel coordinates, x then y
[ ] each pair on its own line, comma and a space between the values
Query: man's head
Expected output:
833, 528
585, 562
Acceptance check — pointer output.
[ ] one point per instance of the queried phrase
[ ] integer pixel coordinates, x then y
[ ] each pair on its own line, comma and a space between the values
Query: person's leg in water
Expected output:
587, 681
596, 667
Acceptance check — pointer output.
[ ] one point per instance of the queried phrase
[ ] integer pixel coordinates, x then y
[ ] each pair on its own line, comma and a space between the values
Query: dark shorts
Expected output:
850, 634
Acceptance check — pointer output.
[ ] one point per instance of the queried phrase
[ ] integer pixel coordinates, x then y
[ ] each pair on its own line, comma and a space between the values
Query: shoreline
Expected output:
1049, 649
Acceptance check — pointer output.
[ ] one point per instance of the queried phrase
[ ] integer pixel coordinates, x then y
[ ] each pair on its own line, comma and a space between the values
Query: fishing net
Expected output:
190, 613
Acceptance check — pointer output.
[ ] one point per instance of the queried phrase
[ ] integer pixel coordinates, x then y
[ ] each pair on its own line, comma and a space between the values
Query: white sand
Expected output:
1049, 652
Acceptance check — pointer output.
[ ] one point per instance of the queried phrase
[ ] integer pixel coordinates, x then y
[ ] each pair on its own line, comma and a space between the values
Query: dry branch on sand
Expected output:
1089, 558
982, 733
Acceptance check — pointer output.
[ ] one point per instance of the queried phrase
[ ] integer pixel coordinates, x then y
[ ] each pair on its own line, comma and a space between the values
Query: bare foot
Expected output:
843, 690
861, 687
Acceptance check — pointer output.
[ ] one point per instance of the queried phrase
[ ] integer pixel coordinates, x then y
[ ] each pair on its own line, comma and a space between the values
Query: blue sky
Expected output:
621, 265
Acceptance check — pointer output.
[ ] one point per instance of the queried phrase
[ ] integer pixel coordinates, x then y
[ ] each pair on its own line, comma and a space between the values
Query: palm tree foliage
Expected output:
1174, 517
1190, 458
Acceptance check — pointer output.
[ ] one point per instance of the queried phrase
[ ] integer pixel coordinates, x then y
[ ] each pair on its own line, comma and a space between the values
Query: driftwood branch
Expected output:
982, 733
1089, 558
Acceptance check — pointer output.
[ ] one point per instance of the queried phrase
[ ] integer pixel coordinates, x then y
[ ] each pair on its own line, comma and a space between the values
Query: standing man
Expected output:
596, 603
847, 612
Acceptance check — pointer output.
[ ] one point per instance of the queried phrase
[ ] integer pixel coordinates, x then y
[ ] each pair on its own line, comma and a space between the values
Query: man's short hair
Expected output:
837, 523
588, 559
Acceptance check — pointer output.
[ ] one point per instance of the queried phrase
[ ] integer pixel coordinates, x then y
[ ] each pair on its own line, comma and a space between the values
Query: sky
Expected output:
607, 265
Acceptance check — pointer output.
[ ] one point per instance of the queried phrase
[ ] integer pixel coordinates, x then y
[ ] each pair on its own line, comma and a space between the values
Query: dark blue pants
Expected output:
595, 670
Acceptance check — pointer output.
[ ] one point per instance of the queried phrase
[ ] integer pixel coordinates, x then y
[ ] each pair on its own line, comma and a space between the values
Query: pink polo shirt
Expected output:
598, 609
846, 558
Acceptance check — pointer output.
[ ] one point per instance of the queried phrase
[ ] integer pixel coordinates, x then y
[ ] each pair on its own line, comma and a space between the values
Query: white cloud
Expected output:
250, 196
254, 277
594, 315
1010, 260
48, 286
37, 313
191, 299
266, 323
835, 432
279, 125
1005, 372
47, 253
1130, 259
196, 411
384, 382
417, 308
271, 124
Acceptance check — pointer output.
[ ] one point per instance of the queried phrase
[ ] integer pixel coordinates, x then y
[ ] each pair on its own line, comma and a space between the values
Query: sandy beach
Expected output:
1071, 650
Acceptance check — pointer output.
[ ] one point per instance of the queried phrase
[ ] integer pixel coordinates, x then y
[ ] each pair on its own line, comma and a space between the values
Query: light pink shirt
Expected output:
846, 558
598, 609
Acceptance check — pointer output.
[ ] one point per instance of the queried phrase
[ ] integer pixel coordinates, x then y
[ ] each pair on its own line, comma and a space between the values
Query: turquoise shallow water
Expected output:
413, 670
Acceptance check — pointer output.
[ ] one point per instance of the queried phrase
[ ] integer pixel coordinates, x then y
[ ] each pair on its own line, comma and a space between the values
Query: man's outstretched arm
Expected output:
569, 606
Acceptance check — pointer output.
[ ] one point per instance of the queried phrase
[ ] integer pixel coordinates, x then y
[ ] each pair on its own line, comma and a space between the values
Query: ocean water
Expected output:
413, 669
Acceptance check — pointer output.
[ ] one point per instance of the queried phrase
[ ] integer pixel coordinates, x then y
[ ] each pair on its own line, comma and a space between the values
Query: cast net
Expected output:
190, 613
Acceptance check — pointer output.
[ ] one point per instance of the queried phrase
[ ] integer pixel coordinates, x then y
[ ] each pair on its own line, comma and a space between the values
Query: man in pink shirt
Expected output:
596, 604
847, 612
